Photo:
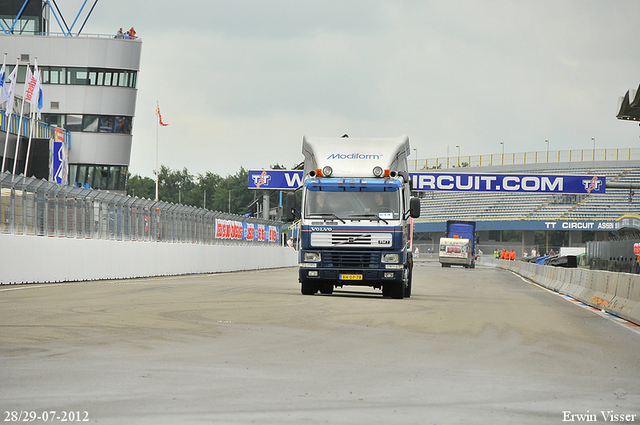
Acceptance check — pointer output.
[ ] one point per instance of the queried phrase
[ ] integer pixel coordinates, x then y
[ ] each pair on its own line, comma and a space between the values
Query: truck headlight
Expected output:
390, 258
311, 256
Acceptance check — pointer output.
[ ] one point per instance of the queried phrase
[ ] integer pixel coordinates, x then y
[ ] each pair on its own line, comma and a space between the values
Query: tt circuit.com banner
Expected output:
472, 182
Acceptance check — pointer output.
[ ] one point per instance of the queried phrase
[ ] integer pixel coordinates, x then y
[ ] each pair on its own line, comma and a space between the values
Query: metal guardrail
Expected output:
41, 208
574, 155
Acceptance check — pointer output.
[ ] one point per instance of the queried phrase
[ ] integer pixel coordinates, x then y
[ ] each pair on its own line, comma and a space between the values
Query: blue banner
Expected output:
534, 183
60, 158
625, 221
424, 181
275, 179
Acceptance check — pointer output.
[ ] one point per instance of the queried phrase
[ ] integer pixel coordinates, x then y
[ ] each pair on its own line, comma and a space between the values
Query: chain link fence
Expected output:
41, 208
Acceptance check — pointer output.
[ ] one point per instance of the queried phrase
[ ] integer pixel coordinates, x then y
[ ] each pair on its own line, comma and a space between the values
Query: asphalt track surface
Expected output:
472, 346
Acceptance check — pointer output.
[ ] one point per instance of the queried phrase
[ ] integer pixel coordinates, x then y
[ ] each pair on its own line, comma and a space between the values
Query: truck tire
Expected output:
309, 288
326, 288
397, 291
407, 289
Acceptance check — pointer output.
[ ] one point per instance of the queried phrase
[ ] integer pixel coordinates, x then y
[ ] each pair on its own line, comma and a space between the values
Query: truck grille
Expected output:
351, 239
349, 259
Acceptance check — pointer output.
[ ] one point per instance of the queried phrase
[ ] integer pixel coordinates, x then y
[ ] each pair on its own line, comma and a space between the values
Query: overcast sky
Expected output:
241, 81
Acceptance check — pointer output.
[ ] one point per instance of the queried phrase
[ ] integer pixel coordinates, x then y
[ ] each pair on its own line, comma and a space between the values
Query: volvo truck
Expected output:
355, 215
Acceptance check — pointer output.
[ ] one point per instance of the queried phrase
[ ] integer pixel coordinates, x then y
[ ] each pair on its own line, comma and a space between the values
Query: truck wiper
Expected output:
329, 215
371, 216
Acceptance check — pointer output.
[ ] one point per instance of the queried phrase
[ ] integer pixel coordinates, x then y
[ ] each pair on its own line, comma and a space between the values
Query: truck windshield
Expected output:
350, 205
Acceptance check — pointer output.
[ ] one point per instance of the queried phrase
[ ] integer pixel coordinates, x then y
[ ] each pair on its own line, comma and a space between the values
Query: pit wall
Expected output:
615, 293
37, 259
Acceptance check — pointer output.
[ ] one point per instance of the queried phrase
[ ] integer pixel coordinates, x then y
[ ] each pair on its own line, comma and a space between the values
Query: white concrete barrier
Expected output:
614, 292
38, 259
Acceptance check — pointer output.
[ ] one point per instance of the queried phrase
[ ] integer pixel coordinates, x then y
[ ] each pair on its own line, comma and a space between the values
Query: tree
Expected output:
228, 194
174, 186
207, 185
142, 187
232, 194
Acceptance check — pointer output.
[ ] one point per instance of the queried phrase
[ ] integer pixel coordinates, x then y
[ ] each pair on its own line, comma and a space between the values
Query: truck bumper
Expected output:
361, 277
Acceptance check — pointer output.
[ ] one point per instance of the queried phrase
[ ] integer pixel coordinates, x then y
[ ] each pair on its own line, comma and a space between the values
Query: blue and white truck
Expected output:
355, 215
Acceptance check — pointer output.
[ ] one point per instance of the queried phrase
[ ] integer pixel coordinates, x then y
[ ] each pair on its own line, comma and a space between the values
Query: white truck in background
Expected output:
458, 246
455, 251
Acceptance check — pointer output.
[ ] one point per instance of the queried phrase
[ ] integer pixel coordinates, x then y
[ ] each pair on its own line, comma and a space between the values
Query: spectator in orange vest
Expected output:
512, 255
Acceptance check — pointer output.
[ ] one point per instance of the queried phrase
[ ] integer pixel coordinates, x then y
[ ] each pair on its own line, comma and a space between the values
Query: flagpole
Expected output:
15, 155
6, 139
32, 116
8, 112
157, 125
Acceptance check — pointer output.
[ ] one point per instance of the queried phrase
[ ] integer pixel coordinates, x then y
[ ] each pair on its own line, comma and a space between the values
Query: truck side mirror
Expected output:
414, 207
290, 206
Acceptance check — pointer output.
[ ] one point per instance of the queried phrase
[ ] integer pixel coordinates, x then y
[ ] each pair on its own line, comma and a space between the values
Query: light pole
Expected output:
502, 160
458, 147
593, 139
416, 167
547, 142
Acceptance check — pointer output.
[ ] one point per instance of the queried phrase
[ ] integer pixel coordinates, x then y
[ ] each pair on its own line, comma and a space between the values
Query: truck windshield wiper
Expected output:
329, 215
371, 216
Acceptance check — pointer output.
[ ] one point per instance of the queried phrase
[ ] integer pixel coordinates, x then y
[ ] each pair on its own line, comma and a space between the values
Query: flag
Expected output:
160, 117
9, 93
31, 89
39, 91
40, 99
2, 72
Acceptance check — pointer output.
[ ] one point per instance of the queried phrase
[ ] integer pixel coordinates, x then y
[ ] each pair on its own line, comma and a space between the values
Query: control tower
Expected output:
89, 87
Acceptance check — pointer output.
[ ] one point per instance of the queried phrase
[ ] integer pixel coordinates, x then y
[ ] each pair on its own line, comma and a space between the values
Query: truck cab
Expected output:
355, 215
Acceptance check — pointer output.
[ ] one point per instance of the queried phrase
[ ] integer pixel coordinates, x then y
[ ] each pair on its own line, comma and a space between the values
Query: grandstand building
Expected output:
578, 218
89, 89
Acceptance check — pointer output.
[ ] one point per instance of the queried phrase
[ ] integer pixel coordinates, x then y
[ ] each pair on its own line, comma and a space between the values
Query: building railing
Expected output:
41, 208
41, 130
573, 155
61, 34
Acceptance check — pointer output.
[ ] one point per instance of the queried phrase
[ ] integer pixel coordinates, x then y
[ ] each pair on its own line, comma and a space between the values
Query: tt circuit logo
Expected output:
591, 185
261, 179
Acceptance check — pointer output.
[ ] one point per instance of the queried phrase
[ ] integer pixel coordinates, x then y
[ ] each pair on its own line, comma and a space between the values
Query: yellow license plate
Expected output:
350, 277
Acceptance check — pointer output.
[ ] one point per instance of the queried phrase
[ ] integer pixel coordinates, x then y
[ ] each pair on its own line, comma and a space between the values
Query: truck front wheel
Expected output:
309, 288
326, 288
407, 290
397, 291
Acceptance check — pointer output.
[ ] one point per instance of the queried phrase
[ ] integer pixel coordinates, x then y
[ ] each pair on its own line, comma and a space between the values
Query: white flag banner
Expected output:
38, 92
11, 91
31, 92
2, 75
